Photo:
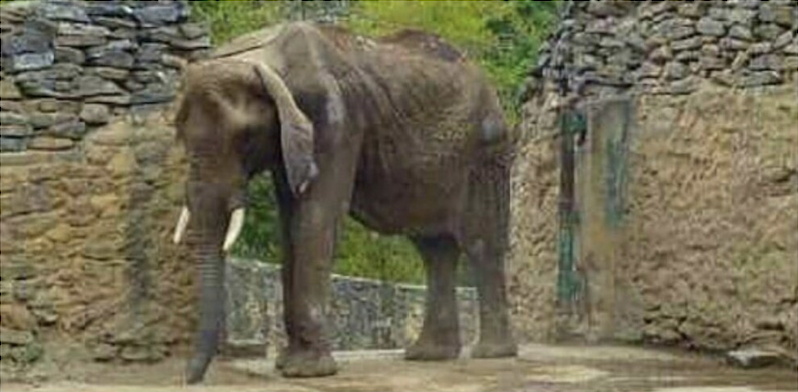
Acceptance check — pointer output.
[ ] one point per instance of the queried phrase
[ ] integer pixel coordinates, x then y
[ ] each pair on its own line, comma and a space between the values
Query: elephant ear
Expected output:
296, 132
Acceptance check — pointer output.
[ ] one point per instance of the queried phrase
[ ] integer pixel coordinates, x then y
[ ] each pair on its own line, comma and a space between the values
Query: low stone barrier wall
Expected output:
364, 313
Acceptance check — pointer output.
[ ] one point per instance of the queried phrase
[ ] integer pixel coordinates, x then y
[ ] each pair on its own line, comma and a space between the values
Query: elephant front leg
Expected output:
310, 225
440, 334
307, 286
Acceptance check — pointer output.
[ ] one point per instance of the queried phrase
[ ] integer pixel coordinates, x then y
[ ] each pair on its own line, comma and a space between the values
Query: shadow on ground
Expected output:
539, 368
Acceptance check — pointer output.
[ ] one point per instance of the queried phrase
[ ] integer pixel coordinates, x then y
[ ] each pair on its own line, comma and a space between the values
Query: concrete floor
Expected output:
539, 368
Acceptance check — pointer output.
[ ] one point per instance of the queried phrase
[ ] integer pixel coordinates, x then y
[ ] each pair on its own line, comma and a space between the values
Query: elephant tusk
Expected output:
182, 224
234, 228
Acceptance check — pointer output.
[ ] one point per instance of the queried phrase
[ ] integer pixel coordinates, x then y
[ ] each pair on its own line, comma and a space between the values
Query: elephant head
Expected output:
236, 118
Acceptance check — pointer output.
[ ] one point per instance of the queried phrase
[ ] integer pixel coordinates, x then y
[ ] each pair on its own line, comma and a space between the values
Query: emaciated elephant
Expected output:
401, 132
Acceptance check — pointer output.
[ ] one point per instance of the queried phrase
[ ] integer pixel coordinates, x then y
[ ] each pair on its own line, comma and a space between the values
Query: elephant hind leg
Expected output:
495, 335
484, 240
440, 334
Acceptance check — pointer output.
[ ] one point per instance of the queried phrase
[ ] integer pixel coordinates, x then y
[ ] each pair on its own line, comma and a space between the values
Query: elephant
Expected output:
402, 132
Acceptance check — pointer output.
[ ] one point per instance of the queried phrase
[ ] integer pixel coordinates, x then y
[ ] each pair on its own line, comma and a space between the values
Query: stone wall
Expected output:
91, 181
364, 314
91, 178
707, 256
68, 66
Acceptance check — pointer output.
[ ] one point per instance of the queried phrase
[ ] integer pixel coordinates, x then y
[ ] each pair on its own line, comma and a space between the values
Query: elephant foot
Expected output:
306, 364
432, 352
195, 371
494, 350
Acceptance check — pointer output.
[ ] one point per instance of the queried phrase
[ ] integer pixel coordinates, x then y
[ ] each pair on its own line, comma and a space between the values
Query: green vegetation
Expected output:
503, 36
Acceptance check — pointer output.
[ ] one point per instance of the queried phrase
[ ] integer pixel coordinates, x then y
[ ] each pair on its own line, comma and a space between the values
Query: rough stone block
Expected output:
27, 42
27, 354
80, 40
116, 74
159, 15
662, 54
731, 44
777, 13
16, 268
9, 90
44, 120
64, 54
95, 114
79, 29
30, 61
111, 46
789, 63
49, 105
114, 59
114, 23
40, 88
119, 100
124, 33
63, 11
15, 337
675, 70
766, 62
761, 78
17, 316
172, 61
13, 144
113, 135
686, 44
70, 130
10, 118
16, 130
712, 27
109, 9
712, 63
752, 358
741, 32
10, 106
150, 52
690, 10
649, 70
675, 28
769, 32
783, 40
133, 86
153, 93
193, 30
91, 85
104, 352
740, 15
760, 48
48, 143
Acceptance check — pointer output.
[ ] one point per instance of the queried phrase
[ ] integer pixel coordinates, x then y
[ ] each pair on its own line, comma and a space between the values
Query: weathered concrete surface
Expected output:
707, 258
539, 368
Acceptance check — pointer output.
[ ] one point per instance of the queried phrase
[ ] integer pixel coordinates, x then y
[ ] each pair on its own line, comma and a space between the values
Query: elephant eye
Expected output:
247, 147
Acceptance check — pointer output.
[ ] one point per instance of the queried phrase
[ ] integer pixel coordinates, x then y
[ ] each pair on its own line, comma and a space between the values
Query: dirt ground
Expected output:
539, 368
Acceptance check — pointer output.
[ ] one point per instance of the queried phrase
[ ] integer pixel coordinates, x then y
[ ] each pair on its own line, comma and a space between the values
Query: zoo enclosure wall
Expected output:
705, 253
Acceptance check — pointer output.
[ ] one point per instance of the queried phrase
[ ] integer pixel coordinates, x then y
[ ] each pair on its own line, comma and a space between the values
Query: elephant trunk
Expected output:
208, 252
211, 307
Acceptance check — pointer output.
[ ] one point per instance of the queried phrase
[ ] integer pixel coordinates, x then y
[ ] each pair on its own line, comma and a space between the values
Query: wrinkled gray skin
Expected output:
401, 132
